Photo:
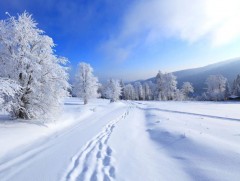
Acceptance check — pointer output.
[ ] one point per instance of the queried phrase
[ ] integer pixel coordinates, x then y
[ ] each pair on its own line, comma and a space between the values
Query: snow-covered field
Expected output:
135, 141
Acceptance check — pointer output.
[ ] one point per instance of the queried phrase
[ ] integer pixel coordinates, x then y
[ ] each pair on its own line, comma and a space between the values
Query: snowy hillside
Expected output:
125, 141
198, 76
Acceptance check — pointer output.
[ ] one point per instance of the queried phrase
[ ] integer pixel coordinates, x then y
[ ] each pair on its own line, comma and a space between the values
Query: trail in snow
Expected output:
94, 161
193, 114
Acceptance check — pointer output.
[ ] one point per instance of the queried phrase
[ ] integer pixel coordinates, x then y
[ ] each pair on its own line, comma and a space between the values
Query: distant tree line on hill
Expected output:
164, 88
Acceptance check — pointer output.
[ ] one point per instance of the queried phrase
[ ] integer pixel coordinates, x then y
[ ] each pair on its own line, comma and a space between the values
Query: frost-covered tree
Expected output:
227, 91
216, 86
170, 86
236, 86
166, 86
159, 89
186, 89
152, 87
138, 90
147, 91
113, 90
9, 90
122, 89
86, 84
129, 92
27, 57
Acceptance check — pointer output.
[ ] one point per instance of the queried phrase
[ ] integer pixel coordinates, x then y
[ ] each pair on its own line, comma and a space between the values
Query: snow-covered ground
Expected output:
127, 140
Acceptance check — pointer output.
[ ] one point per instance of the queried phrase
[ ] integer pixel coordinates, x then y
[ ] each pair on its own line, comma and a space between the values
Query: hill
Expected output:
197, 76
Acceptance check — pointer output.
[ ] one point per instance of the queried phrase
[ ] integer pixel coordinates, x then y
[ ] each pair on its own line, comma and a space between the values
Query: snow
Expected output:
128, 140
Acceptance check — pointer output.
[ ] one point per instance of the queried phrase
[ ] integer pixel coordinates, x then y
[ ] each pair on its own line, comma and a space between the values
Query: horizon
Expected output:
134, 40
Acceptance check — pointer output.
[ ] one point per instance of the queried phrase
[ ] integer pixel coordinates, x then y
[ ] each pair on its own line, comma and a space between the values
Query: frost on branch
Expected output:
27, 57
9, 90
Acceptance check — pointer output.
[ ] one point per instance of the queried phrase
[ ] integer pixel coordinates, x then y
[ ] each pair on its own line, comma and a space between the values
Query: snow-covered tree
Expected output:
236, 86
27, 57
122, 89
138, 90
216, 86
186, 89
166, 86
129, 92
86, 84
113, 90
170, 86
159, 90
147, 91
227, 91
152, 87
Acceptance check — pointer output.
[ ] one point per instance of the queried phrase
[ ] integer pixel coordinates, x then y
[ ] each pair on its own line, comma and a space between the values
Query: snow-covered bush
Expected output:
86, 84
27, 57
113, 90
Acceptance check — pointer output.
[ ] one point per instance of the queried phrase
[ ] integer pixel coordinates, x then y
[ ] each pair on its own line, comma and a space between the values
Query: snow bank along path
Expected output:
128, 141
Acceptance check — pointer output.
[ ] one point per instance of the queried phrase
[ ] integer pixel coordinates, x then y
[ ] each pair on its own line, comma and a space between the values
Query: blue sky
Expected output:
132, 40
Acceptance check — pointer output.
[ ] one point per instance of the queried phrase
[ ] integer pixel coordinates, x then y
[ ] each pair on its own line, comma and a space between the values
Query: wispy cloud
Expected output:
151, 21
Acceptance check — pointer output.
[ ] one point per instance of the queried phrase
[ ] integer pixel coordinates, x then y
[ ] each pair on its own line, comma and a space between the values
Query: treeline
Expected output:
164, 88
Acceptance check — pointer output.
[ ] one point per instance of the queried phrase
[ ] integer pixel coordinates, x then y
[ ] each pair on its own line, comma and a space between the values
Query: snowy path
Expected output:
135, 141
93, 162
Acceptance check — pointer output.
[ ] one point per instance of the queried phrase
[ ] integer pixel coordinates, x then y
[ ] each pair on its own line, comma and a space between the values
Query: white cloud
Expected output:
149, 21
